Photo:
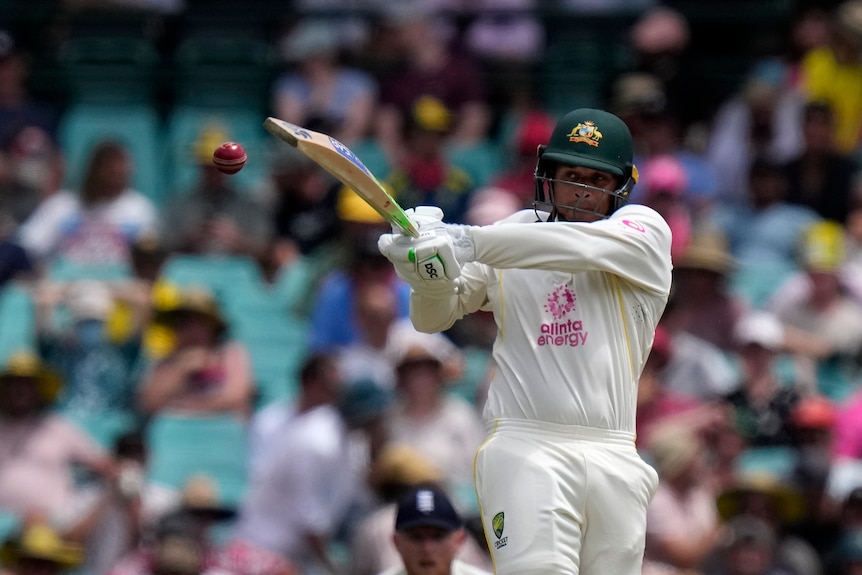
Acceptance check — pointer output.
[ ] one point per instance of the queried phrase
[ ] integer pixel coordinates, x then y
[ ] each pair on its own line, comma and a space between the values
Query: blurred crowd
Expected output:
224, 379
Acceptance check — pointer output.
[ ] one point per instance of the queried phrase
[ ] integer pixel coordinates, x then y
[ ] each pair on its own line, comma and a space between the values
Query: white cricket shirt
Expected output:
576, 306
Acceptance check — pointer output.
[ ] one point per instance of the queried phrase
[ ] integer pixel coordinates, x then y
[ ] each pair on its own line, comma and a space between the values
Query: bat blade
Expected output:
343, 164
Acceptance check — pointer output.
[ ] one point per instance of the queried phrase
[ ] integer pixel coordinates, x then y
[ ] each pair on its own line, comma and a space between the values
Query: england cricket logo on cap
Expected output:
497, 524
586, 133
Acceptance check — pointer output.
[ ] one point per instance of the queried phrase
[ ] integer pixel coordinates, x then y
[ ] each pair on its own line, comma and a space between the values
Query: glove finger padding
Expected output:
425, 260
435, 258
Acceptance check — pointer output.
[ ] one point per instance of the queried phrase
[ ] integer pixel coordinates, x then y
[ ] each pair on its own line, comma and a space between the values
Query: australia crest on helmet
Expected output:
585, 132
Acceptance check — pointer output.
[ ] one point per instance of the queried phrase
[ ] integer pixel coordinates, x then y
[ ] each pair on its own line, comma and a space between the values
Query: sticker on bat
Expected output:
301, 132
347, 153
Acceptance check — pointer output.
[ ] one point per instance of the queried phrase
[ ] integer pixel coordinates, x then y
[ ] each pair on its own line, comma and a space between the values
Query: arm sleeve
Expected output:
433, 314
633, 244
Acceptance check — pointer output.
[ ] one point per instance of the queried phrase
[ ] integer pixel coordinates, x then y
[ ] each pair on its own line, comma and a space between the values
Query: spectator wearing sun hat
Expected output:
704, 303
682, 524
39, 548
824, 311
39, 449
443, 427
207, 371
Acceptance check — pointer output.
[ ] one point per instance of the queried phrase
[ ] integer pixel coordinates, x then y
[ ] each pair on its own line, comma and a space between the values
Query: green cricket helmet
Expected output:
591, 138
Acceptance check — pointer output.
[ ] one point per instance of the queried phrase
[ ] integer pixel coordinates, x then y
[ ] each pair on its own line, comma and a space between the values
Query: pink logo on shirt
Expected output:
561, 301
636, 226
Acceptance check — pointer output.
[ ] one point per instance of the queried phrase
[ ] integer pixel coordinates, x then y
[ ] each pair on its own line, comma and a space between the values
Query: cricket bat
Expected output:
343, 164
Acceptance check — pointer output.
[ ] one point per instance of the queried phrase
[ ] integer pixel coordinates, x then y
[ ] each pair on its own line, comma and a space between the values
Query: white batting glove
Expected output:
429, 221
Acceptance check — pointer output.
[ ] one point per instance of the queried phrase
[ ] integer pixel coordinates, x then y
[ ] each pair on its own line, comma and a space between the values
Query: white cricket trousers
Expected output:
563, 499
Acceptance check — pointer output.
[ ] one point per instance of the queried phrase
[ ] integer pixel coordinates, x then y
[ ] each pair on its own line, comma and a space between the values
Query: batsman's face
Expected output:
428, 550
579, 193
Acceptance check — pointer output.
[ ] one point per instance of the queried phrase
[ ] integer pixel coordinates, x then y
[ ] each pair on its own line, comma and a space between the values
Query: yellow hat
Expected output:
822, 247
351, 208
193, 299
210, 138
429, 113
41, 542
27, 364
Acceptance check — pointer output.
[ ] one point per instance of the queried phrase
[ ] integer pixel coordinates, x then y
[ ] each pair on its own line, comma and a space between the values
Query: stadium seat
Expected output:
222, 71
243, 124
225, 275
18, 328
181, 447
137, 126
110, 69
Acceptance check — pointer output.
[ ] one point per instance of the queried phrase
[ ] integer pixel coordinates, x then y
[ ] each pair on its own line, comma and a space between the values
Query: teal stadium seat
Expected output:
137, 126
17, 321
181, 447
110, 69
186, 123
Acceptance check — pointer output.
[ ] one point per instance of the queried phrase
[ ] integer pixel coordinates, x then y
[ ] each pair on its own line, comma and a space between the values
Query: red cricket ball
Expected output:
229, 158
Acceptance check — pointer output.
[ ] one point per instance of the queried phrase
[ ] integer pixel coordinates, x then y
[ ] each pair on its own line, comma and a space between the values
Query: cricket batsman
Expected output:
577, 286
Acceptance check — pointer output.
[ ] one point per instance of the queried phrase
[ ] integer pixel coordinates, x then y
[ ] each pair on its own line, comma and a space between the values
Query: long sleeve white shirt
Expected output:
576, 306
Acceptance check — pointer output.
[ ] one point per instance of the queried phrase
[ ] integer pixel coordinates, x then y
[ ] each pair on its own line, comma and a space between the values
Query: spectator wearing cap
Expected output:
397, 471
317, 90
822, 311
214, 216
832, 73
428, 534
763, 232
40, 449
207, 371
443, 427
357, 265
682, 524
666, 192
429, 66
763, 403
424, 174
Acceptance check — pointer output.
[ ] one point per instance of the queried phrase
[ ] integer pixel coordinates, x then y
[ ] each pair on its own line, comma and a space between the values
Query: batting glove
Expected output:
429, 221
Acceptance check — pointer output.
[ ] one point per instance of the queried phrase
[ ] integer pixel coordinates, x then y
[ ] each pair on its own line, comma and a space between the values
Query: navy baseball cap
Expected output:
427, 507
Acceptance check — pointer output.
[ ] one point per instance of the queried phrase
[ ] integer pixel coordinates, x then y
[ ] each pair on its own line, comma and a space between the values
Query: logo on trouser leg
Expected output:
498, 523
